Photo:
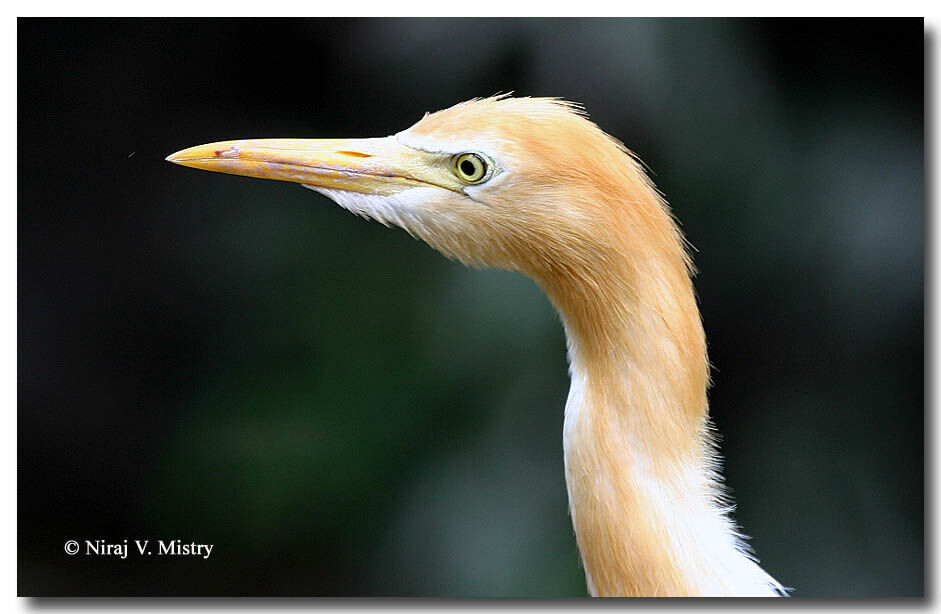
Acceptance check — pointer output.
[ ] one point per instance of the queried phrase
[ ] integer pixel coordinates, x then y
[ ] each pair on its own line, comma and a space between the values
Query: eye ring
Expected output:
471, 167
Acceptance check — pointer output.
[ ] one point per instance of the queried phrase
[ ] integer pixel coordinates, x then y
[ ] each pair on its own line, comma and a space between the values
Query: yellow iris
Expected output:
470, 167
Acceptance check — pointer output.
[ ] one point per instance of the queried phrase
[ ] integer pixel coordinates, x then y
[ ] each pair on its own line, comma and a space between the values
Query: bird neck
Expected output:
639, 462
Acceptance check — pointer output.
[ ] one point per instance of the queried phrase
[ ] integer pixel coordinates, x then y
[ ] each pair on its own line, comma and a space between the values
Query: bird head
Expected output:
525, 184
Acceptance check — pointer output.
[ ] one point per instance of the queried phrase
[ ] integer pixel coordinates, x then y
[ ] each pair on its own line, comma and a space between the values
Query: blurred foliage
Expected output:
341, 411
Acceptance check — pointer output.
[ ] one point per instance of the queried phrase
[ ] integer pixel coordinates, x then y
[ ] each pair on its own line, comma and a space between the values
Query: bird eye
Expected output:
470, 167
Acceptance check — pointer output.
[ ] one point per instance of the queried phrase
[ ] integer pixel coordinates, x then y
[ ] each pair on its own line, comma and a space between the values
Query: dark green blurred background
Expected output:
342, 411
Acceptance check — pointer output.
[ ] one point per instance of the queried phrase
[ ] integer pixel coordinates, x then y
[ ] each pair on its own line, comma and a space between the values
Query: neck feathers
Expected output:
641, 468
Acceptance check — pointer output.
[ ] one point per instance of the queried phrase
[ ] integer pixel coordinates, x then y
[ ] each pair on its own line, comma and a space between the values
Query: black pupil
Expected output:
468, 168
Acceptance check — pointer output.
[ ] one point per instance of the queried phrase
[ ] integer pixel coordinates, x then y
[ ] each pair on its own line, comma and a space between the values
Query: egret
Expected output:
532, 185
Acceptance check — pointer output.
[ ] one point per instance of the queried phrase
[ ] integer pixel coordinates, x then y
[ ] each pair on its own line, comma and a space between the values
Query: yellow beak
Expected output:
371, 166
